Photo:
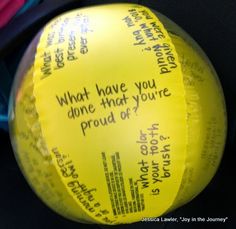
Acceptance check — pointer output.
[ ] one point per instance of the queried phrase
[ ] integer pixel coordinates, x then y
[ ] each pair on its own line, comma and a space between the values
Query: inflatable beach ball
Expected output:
116, 115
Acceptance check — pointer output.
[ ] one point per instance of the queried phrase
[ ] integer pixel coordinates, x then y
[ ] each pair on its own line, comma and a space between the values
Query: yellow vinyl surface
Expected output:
117, 119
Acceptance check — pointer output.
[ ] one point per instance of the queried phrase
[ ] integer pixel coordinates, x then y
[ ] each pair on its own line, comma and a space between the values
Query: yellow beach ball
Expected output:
116, 115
